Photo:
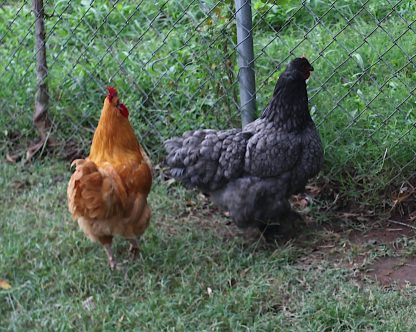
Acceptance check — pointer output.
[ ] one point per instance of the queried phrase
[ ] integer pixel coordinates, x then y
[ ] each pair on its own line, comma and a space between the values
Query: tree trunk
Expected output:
40, 116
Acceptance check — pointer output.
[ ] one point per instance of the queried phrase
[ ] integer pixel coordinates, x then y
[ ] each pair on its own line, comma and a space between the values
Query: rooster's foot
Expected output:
133, 248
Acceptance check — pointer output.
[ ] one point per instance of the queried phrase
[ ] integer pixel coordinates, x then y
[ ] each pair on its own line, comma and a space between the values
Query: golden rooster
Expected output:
107, 194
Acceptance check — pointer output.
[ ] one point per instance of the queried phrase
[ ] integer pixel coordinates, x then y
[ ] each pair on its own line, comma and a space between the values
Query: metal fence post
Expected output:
246, 76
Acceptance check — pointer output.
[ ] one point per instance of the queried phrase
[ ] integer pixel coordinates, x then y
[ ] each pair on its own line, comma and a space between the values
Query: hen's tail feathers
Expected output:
95, 193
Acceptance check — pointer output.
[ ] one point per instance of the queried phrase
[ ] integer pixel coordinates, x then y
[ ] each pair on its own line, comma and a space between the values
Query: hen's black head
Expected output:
289, 105
302, 65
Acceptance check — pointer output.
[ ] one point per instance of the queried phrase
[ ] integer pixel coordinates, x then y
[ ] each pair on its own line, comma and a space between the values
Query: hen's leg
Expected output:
278, 220
269, 231
133, 248
290, 224
106, 242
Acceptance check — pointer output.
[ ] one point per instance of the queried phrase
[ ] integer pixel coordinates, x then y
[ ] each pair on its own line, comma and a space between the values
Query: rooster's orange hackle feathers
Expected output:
107, 194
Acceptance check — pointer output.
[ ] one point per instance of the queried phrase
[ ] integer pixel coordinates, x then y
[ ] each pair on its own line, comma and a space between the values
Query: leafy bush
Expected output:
175, 65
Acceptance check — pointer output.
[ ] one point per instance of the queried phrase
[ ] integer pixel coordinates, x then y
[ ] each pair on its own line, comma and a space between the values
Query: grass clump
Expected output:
189, 275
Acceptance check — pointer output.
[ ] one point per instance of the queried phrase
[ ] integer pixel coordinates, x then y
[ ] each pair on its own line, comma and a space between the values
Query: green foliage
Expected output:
360, 95
157, 69
274, 15
175, 65
278, 14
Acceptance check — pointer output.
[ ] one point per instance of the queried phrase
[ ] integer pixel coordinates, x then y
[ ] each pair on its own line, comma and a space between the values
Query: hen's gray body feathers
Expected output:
252, 172
207, 158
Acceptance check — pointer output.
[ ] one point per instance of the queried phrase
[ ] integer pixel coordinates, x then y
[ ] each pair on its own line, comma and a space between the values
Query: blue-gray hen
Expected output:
251, 172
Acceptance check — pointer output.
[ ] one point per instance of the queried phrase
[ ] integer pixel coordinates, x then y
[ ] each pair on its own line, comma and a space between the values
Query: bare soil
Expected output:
397, 271
394, 271
350, 240
386, 235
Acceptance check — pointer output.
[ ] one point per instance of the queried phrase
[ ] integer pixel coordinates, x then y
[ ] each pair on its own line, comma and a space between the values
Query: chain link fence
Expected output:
175, 64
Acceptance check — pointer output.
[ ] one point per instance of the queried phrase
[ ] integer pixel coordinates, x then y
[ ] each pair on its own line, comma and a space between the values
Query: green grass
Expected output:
54, 269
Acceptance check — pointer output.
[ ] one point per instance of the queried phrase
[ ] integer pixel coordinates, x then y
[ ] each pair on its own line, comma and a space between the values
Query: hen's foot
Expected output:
133, 248
271, 232
287, 228
291, 225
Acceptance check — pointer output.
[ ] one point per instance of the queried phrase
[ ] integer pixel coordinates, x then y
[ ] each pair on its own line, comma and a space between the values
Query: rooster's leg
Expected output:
111, 260
106, 242
133, 248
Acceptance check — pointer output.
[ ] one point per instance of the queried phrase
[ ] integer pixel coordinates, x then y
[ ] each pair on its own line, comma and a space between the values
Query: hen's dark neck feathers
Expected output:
289, 105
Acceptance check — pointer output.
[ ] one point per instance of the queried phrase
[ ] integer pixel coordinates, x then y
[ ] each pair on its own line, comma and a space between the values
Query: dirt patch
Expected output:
336, 244
387, 271
398, 271
344, 240
19, 185
381, 235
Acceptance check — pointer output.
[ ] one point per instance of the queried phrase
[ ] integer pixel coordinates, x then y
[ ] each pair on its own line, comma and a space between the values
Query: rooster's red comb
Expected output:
112, 92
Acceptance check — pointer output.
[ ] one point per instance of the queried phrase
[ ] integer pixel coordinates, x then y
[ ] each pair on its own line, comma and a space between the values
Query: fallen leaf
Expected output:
303, 203
209, 291
4, 284
232, 282
33, 149
18, 184
244, 272
89, 304
170, 182
12, 158
313, 190
189, 203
